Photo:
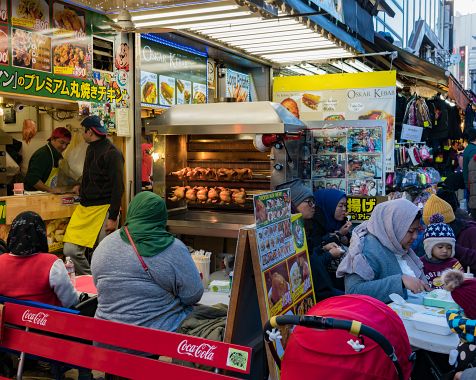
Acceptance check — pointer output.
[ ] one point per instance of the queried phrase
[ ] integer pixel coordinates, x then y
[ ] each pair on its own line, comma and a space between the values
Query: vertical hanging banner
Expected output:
359, 96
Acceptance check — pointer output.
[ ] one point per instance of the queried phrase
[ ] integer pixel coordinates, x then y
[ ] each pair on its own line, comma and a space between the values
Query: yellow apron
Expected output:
52, 180
85, 224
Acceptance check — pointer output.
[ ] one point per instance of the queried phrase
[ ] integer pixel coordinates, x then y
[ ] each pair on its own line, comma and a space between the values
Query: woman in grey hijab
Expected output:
380, 261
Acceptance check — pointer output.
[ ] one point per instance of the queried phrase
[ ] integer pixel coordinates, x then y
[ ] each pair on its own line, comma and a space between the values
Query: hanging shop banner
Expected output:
360, 208
171, 75
284, 260
348, 156
359, 96
58, 64
237, 85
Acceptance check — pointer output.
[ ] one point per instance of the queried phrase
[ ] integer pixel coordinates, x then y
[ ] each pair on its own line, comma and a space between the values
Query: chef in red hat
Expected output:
43, 167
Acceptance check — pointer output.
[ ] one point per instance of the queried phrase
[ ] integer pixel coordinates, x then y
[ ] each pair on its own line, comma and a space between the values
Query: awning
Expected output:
242, 25
411, 69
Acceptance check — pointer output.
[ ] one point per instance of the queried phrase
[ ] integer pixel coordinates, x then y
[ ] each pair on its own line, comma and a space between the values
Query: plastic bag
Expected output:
74, 155
12, 168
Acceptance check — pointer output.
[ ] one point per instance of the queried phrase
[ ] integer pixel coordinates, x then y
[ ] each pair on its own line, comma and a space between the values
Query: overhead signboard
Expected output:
171, 75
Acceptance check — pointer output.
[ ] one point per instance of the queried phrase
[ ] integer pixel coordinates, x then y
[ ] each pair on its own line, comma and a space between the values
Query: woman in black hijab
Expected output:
28, 271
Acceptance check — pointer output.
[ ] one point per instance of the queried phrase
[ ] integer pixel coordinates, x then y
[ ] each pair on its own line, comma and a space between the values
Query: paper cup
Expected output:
203, 266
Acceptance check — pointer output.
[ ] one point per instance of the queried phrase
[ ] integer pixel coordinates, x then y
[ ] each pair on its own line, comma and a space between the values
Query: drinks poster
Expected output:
284, 260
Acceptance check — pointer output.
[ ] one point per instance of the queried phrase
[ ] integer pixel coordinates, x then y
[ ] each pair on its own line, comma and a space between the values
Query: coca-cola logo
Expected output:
202, 351
39, 318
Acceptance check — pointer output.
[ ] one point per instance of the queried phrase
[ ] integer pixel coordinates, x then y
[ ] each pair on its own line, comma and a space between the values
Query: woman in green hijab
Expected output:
143, 274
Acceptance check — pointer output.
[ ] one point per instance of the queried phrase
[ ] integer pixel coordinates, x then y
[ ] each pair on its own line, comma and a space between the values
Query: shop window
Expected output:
103, 54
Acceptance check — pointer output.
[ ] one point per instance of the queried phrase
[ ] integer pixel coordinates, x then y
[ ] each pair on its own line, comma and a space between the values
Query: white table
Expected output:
442, 344
429, 341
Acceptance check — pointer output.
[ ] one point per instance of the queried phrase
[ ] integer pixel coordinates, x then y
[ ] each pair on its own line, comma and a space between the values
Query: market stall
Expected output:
59, 63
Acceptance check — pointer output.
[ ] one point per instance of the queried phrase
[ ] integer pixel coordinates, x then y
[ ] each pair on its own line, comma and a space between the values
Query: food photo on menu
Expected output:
299, 273
3, 11
199, 93
184, 91
329, 166
149, 93
304, 305
41, 52
70, 59
67, 18
3, 45
277, 286
31, 14
166, 90
21, 48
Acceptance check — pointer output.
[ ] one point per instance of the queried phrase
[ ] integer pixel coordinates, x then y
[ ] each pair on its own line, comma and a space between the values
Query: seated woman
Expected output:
380, 261
330, 226
302, 201
27, 271
143, 274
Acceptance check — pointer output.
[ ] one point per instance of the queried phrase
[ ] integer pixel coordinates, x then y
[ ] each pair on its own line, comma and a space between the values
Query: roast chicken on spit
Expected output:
203, 194
206, 174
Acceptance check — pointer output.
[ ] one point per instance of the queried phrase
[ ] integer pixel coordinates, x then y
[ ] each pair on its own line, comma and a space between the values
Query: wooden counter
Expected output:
55, 209
48, 206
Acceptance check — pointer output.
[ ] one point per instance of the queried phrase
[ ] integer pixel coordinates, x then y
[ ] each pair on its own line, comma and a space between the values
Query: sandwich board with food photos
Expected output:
274, 251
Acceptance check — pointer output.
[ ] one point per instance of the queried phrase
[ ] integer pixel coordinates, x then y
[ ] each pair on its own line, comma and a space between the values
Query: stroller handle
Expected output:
354, 327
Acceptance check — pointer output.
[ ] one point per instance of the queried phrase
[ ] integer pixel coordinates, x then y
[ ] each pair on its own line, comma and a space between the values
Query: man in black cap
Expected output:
101, 190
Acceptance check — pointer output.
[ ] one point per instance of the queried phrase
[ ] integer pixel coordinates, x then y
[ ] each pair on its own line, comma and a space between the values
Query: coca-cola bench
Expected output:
54, 335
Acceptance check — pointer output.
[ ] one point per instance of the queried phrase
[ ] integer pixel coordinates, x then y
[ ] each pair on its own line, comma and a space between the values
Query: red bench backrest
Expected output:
182, 347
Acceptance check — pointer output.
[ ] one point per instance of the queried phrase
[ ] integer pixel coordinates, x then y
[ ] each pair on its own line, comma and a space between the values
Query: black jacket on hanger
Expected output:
454, 124
440, 124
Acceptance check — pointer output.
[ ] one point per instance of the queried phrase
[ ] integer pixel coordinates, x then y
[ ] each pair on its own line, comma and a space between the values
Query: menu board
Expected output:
171, 74
349, 157
237, 85
57, 64
283, 256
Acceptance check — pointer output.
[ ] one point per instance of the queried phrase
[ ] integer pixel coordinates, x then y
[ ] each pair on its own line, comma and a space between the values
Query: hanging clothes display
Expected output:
417, 113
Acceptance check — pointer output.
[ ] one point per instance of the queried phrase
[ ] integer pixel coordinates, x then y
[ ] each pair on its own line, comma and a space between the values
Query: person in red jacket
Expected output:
27, 271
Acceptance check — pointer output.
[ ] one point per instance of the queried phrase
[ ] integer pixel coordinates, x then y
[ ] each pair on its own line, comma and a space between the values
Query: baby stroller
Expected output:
352, 337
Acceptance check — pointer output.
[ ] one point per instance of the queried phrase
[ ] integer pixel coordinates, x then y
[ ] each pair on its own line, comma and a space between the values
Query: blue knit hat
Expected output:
438, 232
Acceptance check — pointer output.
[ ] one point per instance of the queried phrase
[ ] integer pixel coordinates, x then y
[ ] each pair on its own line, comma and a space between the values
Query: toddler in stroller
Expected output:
374, 347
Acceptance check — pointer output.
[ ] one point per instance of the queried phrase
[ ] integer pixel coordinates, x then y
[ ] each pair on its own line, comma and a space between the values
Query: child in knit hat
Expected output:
462, 322
439, 243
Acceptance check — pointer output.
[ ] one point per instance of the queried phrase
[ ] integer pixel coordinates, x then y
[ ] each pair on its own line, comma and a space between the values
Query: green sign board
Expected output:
46, 49
171, 74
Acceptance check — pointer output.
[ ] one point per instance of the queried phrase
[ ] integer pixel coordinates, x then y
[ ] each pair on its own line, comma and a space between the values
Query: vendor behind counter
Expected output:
43, 167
